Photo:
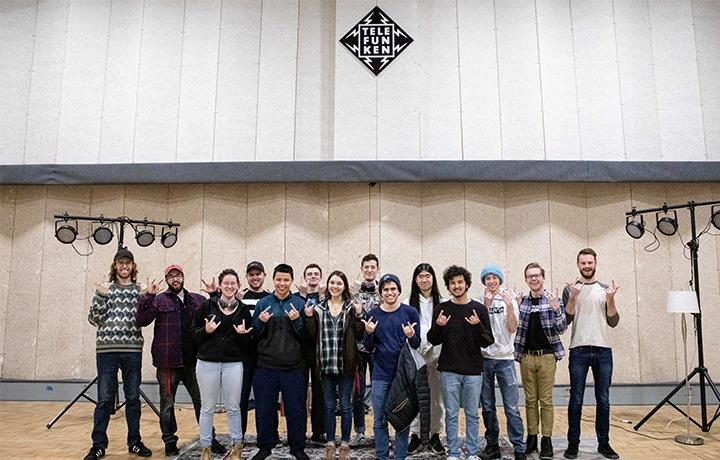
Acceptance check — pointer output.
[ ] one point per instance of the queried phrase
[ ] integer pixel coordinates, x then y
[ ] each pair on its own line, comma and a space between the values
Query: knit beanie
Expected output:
387, 278
491, 269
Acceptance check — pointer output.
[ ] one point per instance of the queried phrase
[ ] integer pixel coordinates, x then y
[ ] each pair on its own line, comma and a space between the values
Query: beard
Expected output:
587, 277
179, 289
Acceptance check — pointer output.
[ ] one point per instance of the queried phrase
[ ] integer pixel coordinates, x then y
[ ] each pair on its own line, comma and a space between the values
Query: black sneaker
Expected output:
520, 456
140, 450
436, 445
318, 440
217, 448
491, 451
171, 448
572, 450
531, 444
607, 451
301, 455
94, 453
546, 449
262, 454
414, 444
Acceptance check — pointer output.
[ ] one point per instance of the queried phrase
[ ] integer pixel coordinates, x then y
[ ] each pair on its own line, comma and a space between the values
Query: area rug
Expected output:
191, 450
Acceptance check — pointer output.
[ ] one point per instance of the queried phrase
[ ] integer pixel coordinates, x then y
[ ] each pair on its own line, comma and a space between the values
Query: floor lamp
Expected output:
685, 302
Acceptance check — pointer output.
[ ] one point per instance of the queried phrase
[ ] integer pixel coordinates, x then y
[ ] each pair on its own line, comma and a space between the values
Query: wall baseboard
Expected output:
620, 394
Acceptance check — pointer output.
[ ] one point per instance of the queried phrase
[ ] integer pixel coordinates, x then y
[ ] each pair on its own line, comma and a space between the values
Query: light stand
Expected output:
701, 371
121, 221
685, 302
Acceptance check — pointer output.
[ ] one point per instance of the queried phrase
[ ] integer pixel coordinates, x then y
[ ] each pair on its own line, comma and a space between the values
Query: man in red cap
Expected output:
173, 349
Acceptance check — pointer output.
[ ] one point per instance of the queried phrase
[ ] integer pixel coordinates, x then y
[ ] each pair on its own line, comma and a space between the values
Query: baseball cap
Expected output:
255, 264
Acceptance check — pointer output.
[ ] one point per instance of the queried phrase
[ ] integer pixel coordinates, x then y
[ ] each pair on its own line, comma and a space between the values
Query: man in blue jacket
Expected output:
279, 331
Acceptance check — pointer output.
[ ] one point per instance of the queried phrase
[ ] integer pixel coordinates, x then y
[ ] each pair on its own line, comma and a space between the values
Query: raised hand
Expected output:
409, 330
553, 297
143, 288
153, 287
488, 298
293, 314
240, 294
358, 306
241, 329
610, 292
211, 325
473, 319
575, 288
302, 289
518, 296
209, 288
265, 316
309, 309
442, 320
102, 288
369, 325
506, 296
358, 282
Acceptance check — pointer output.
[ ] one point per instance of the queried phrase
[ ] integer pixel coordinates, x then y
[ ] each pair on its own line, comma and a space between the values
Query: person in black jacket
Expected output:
463, 327
221, 328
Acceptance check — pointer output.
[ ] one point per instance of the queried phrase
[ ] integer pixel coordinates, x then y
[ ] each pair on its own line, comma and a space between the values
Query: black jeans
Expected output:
168, 380
317, 405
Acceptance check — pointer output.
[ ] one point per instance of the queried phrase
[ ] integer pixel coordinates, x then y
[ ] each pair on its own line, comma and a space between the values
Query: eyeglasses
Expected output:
174, 277
529, 277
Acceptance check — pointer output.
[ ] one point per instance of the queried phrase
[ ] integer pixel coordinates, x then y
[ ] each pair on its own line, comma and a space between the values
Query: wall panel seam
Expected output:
182, 60
577, 93
617, 64
539, 64
104, 85
657, 102
697, 65
10, 271
137, 84
30, 80
457, 32
297, 71
62, 81
257, 90
40, 284
217, 86
497, 69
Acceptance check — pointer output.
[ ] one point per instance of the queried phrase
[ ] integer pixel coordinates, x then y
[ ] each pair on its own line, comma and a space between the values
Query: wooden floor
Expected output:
23, 434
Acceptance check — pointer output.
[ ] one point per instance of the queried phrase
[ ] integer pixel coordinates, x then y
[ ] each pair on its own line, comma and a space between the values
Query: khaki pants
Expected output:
538, 378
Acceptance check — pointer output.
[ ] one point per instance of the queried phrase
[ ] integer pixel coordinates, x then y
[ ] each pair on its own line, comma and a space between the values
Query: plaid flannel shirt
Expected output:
553, 324
331, 334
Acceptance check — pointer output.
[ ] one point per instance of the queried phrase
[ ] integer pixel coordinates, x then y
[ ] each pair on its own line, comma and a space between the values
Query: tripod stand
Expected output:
701, 371
116, 402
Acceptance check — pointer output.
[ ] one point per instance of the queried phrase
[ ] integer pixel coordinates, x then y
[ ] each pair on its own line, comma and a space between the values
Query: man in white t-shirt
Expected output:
590, 310
499, 363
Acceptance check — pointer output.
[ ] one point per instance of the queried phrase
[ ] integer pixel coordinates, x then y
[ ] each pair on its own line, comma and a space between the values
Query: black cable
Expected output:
633, 431
653, 242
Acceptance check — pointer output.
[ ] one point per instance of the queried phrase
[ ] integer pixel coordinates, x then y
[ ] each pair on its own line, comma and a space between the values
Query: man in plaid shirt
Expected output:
538, 347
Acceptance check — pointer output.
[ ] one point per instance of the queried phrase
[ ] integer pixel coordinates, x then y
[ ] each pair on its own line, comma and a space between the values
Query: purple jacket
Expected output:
164, 309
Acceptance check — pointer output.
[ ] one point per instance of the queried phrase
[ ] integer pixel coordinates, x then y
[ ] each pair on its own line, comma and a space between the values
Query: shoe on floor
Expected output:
414, 444
473, 457
436, 445
171, 448
318, 440
94, 453
140, 450
520, 456
572, 450
491, 451
236, 452
546, 448
330, 451
206, 453
262, 454
344, 452
300, 455
531, 444
358, 440
217, 448
607, 451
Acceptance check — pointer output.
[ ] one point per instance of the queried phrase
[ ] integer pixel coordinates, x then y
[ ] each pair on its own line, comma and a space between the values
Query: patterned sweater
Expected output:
114, 316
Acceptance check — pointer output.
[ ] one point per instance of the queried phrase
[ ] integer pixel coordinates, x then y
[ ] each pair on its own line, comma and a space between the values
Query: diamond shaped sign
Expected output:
376, 40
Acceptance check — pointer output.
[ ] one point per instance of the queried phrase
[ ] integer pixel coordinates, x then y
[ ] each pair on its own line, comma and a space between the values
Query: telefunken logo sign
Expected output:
376, 40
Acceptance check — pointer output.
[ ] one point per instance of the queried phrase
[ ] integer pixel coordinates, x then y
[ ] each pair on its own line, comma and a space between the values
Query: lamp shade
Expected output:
682, 302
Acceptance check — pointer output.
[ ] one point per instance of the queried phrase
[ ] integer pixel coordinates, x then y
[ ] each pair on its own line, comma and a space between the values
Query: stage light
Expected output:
634, 228
667, 225
146, 236
66, 233
102, 233
715, 219
169, 237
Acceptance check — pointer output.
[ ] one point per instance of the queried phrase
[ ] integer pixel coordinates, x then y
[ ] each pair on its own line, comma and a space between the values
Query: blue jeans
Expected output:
210, 375
344, 384
601, 362
465, 388
504, 370
359, 387
107, 368
380, 390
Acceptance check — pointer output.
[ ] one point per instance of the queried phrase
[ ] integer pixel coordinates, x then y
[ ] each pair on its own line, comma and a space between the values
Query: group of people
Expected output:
427, 356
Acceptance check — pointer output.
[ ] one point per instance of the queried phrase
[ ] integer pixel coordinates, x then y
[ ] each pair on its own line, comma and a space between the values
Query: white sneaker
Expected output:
456, 458
473, 457
359, 440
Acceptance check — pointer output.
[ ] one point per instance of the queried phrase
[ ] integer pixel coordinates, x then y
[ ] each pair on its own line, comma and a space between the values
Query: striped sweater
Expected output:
114, 316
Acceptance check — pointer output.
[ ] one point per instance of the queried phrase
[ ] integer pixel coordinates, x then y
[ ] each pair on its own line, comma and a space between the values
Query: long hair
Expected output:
346, 289
415, 289
113, 273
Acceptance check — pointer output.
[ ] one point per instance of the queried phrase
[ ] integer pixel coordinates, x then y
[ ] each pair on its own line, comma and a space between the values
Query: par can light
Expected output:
667, 225
102, 233
169, 237
715, 219
65, 233
145, 237
634, 228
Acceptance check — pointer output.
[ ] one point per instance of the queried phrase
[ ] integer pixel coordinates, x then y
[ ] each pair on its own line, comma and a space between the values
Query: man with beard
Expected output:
119, 345
174, 351
590, 308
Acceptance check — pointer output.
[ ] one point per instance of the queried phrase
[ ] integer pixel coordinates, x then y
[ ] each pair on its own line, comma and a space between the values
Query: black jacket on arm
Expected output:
409, 394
